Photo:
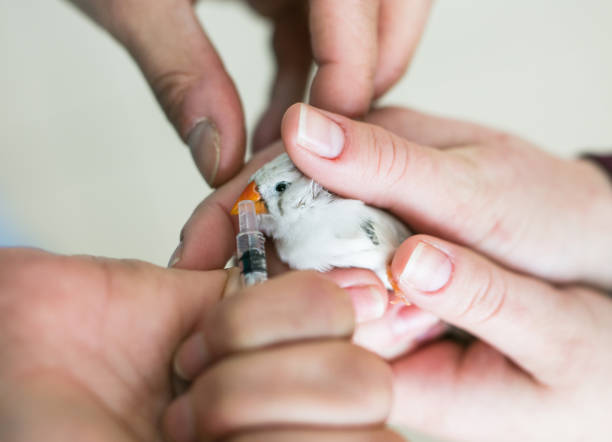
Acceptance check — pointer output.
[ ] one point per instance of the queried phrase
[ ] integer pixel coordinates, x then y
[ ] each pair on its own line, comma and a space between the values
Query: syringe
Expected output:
251, 245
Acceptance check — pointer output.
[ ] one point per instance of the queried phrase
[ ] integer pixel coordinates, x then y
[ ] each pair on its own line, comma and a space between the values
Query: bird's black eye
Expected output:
281, 187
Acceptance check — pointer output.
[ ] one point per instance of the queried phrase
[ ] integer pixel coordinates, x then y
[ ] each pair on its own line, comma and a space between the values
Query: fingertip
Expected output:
291, 47
402, 255
179, 422
386, 77
363, 161
314, 131
326, 147
422, 265
191, 357
290, 123
289, 132
212, 125
369, 302
401, 25
399, 330
344, 38
368, 294
345, 90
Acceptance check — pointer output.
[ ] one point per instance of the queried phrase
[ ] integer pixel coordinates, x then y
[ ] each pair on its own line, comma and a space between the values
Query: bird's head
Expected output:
280, 190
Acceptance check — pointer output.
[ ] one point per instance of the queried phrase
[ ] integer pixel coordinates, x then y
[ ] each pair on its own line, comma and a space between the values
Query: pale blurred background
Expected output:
89, 164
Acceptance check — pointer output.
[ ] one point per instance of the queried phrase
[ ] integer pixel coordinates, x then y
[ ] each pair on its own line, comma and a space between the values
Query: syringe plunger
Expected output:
247, 218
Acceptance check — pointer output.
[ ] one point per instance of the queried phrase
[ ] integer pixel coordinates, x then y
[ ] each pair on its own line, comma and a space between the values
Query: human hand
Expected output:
361, 48
364, 46
475, 186
541, 370
208, 242
87, 344
274, 362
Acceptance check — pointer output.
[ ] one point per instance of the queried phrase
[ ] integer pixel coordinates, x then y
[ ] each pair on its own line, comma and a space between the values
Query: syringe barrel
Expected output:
252, 256
247, 218
251, 245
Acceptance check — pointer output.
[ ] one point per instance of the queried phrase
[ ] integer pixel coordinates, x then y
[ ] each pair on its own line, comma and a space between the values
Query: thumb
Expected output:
524, 318
171, 300
363, 161
189, 81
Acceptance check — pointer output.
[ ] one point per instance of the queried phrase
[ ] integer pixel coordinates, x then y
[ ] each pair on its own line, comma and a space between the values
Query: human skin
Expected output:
538, 370
87, 345
479, 187
389, 331
278, 355
87, 342
473, 185
363, 46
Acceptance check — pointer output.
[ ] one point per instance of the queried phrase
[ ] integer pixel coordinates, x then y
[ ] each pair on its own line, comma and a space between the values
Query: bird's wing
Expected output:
342, 233
356, 220
363, 236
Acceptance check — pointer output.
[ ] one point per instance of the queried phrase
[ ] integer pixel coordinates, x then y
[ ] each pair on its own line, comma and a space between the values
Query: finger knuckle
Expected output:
487, 298
388, 158
171, 89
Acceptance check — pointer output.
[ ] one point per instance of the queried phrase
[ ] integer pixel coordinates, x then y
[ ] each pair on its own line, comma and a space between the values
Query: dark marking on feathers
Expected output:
280, 206
368, 227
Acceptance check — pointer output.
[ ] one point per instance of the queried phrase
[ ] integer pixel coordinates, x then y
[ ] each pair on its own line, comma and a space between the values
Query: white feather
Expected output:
315, 229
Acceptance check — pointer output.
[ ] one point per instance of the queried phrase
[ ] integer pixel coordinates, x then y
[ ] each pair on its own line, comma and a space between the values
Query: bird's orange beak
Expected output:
251, 193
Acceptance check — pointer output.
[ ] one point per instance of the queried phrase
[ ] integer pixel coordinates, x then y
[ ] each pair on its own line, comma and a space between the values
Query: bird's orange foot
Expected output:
397, 292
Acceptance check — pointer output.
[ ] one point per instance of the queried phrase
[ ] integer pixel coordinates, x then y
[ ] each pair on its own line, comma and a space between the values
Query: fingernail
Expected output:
408, 319
191, 358
428, 269
176, 255
233, 284
204, 141
318, 134
179, 422
368, 301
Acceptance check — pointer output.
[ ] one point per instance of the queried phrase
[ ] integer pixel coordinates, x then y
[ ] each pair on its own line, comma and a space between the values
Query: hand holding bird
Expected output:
474, 186
313, 228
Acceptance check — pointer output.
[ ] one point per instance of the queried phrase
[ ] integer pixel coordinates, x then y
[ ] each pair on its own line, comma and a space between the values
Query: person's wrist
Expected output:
597, 242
